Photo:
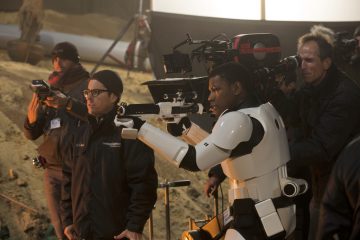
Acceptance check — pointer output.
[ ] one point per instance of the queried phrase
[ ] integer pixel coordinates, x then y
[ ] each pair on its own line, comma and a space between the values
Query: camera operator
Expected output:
327, 112
50, 118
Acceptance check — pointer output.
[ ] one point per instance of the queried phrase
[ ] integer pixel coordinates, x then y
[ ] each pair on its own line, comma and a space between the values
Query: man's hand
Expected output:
70, 232
177, 129
129, 122
57, 100
211, 185
33, 109
128, 234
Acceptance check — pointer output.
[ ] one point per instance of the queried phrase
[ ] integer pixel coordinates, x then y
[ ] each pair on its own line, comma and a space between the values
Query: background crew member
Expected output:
51, 120
327, 119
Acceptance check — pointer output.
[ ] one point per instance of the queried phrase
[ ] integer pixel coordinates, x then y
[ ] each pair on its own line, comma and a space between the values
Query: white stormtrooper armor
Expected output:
259, 175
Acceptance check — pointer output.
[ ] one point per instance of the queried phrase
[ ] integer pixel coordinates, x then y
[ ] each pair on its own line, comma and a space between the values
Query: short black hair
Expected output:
234, 72
111, 80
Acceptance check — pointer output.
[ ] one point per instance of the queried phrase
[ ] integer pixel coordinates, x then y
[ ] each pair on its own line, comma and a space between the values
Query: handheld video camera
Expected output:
41, 88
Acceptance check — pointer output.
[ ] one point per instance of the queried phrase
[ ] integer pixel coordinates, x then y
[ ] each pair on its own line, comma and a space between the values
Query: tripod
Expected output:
167, 185
136, 52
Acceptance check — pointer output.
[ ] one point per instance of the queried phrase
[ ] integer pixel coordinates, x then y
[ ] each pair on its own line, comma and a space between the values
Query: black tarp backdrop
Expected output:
170, 29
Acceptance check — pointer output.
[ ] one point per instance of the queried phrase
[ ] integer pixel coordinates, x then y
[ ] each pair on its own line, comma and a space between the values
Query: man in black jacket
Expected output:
109, 184
339, 214
327, 106
51, 119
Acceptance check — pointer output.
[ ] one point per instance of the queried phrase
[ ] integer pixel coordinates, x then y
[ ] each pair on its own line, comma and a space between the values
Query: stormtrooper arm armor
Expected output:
231, 129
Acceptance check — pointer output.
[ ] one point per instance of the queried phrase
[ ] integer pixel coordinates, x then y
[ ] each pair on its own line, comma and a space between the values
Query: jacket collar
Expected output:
103, 121
329, 82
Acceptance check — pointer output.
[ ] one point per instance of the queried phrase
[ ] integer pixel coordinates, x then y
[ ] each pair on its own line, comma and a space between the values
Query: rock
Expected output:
27, 222
23, 51
4, 232
12, 174
21, 183
34, 225
193, 192
26, 157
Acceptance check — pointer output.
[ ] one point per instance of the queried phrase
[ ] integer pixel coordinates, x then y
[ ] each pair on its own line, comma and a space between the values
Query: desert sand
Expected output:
22, 205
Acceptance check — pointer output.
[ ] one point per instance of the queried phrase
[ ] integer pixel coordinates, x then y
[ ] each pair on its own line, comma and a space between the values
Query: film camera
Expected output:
344, 46
253, 50
260, 52
41, 88
178, 97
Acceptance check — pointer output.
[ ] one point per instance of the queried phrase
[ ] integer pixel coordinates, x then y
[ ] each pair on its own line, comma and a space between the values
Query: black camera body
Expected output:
41, 88
345, 47
253, 50
259, 52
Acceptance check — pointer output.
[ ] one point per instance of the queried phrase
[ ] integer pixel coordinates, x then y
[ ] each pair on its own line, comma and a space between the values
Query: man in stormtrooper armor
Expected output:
249, 140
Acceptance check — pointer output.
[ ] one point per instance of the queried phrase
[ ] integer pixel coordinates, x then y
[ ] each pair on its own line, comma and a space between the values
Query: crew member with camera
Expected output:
48, 116
327, 115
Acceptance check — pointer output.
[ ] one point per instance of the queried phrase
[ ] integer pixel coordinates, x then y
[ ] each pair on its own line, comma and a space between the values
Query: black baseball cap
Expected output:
66, 50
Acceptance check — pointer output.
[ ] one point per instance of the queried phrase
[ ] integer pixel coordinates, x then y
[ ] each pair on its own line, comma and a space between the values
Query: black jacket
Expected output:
340, 209
329, 118
109, 184
56, 139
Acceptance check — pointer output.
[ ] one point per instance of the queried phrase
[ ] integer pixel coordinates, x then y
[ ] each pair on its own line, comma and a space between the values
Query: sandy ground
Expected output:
22, 204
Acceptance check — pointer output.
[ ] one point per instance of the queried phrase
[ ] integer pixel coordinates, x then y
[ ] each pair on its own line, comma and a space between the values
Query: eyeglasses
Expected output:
94, 92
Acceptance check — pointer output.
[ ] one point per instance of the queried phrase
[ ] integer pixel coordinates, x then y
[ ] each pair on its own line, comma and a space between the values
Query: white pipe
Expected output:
90, 48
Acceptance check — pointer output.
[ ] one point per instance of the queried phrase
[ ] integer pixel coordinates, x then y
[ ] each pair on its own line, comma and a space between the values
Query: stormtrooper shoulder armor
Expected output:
231, 129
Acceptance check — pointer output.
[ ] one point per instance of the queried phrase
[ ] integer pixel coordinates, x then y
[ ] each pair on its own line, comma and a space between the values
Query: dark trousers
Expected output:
52, 185
314, 220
